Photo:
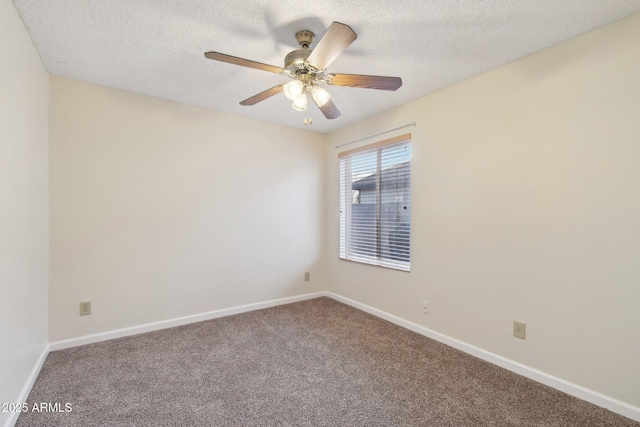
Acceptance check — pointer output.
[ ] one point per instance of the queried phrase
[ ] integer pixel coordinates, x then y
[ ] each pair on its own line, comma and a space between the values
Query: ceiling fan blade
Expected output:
329, 110
217, 56
337, 38
263, 95
362, 81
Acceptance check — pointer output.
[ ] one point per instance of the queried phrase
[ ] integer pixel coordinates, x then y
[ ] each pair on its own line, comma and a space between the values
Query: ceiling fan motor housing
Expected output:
295, 61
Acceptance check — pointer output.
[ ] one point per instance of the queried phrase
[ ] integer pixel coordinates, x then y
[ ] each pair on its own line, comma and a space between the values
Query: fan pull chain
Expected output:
310, 121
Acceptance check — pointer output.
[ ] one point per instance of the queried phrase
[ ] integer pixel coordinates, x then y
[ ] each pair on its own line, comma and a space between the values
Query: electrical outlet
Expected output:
425, 307
85, 308
307, 276
519, 329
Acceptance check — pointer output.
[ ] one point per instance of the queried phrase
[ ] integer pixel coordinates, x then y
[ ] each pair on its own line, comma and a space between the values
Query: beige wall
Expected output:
23, 206
161, 210
526, 206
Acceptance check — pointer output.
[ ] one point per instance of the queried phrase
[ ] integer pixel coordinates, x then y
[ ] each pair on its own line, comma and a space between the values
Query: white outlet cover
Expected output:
519, 330
85, 308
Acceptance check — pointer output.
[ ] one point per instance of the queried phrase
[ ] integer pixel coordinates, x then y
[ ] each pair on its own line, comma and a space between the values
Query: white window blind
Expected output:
375, 203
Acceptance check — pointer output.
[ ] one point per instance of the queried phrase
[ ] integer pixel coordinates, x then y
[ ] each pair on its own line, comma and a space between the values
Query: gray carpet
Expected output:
312, 363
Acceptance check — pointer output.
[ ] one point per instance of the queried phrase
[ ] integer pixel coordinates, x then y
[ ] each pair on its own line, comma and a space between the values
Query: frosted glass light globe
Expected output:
320, 96
300, 103
293, 89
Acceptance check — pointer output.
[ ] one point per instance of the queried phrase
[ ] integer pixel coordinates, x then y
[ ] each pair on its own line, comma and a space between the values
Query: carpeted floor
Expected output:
312, 363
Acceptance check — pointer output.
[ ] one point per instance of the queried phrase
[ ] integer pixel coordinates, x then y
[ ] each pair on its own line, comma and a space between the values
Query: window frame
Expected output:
346, 240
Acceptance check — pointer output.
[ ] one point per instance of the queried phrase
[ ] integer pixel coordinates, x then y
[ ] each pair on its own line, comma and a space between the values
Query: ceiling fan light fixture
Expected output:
293, 89
300, 103
320, 96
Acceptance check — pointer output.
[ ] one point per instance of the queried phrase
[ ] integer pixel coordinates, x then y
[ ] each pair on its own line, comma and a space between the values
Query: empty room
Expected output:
255, 213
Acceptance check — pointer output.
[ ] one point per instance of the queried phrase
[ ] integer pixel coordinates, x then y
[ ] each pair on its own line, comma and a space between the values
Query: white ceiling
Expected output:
156, 47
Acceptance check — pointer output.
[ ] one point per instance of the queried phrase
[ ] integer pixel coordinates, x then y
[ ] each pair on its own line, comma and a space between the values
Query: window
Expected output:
375, 202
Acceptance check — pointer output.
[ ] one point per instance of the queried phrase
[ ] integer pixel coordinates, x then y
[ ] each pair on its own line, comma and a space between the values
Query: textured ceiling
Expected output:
156, 47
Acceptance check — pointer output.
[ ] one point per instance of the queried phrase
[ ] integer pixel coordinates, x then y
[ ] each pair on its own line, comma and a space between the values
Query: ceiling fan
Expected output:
308, 67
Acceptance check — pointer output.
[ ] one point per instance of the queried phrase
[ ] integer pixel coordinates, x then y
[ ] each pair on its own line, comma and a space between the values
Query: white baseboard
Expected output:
163, 324
575, 390
26, 389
